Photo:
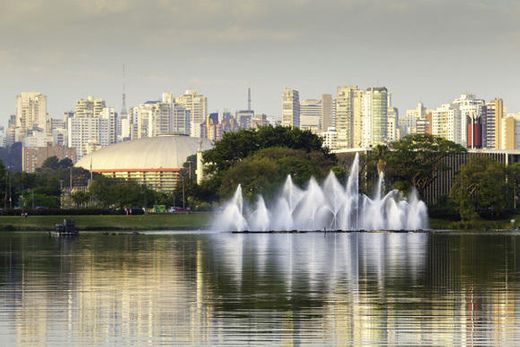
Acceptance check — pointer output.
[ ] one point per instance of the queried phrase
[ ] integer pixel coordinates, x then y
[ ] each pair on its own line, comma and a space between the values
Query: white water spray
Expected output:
327, 207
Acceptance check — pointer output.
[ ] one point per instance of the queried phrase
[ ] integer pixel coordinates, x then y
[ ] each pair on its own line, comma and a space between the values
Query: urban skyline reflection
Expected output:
216, 289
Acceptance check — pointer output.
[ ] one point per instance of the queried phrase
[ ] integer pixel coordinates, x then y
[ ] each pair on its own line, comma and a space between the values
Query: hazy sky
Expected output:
429, 50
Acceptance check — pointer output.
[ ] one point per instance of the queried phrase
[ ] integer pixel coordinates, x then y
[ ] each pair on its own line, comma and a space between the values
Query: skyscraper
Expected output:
197, 105
375, 116
311, 114
91, 126
492, 129
348, 116
471, 111
446, 123
327, 111
291, 108
31, 112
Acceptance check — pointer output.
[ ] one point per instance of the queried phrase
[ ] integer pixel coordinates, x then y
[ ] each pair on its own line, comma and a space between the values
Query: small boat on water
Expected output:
67, 228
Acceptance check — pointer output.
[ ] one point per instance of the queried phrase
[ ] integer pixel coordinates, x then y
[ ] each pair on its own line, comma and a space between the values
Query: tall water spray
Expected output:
329, 206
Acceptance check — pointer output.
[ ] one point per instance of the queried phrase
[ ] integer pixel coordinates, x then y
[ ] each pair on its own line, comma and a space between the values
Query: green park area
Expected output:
192, 221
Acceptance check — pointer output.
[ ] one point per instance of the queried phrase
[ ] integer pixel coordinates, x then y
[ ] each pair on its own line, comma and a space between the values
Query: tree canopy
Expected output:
415, 160
481, 189
54, 163
236, 146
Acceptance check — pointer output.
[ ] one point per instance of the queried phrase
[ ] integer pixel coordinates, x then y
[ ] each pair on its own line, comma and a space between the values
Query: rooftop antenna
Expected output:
123, 104
249, 99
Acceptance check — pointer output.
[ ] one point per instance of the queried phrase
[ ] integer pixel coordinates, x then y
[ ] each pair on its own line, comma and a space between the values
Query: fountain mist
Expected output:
327, 207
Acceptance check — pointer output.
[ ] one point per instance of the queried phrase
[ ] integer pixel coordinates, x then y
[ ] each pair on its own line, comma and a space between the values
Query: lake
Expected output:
265, 289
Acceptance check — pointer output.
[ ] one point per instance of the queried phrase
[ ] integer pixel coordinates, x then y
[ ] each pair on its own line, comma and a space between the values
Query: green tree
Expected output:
236, 146
415, 160
81, 198
112, 192
265, 171
481, 189
51, 163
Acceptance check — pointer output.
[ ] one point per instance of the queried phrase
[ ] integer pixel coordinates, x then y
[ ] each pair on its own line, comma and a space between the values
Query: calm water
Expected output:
230, 289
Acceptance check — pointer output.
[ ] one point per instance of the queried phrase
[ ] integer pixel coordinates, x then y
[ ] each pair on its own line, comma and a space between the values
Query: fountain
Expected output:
328, 207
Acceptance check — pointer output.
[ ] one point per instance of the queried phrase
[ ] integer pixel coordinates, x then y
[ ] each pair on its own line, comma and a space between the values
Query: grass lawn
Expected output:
193, 221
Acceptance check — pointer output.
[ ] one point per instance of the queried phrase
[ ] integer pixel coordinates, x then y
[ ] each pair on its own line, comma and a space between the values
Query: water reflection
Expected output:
221, 289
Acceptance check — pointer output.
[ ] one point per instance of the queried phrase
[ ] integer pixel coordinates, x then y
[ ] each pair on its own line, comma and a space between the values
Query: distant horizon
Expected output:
422, 51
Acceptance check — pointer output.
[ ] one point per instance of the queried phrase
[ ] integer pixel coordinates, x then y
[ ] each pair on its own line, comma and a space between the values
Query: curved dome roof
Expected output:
162, 152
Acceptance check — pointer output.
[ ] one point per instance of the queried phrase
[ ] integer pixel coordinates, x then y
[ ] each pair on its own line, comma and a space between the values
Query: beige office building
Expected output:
349, 101
290, 108
197, 105
31, 112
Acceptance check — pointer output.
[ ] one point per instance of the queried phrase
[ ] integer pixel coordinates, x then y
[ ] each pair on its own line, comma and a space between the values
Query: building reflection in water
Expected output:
211, 289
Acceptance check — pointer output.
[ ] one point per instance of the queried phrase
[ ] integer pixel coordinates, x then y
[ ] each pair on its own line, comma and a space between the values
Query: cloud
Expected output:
272, 41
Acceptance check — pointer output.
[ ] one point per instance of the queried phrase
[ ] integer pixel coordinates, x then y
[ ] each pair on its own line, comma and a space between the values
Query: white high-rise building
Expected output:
89, 107
348, 120
31, 113
471, 117
91, 126
180, 123
375, 116
393, 131
197, 105
311, 114
290, 108
162, 117
446, 123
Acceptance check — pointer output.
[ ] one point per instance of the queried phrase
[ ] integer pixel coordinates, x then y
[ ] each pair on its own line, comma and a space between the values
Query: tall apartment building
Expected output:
375, 116
511, 131
446, 122
393, 131
348, 110
161, 117
327, 112
92, 125
197, 105
471, 111
492, 127
311, 114
290, 108
31, 112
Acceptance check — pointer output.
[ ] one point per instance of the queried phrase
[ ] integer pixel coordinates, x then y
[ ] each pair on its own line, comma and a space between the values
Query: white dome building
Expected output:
154, 161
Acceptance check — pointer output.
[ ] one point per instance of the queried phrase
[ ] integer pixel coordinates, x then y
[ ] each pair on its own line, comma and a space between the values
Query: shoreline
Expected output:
197, 221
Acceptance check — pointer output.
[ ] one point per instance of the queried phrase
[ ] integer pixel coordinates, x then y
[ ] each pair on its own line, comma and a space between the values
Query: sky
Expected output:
421, 50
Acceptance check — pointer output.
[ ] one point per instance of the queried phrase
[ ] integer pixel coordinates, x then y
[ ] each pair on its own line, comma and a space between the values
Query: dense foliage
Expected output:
260, 159
116, 193
415, 160
481, 189
236, 146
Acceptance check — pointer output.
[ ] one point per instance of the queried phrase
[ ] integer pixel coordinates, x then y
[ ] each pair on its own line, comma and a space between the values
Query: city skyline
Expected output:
222, 48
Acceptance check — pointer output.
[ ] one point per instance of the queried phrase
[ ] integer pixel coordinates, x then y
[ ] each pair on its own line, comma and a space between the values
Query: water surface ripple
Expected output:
208, 289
